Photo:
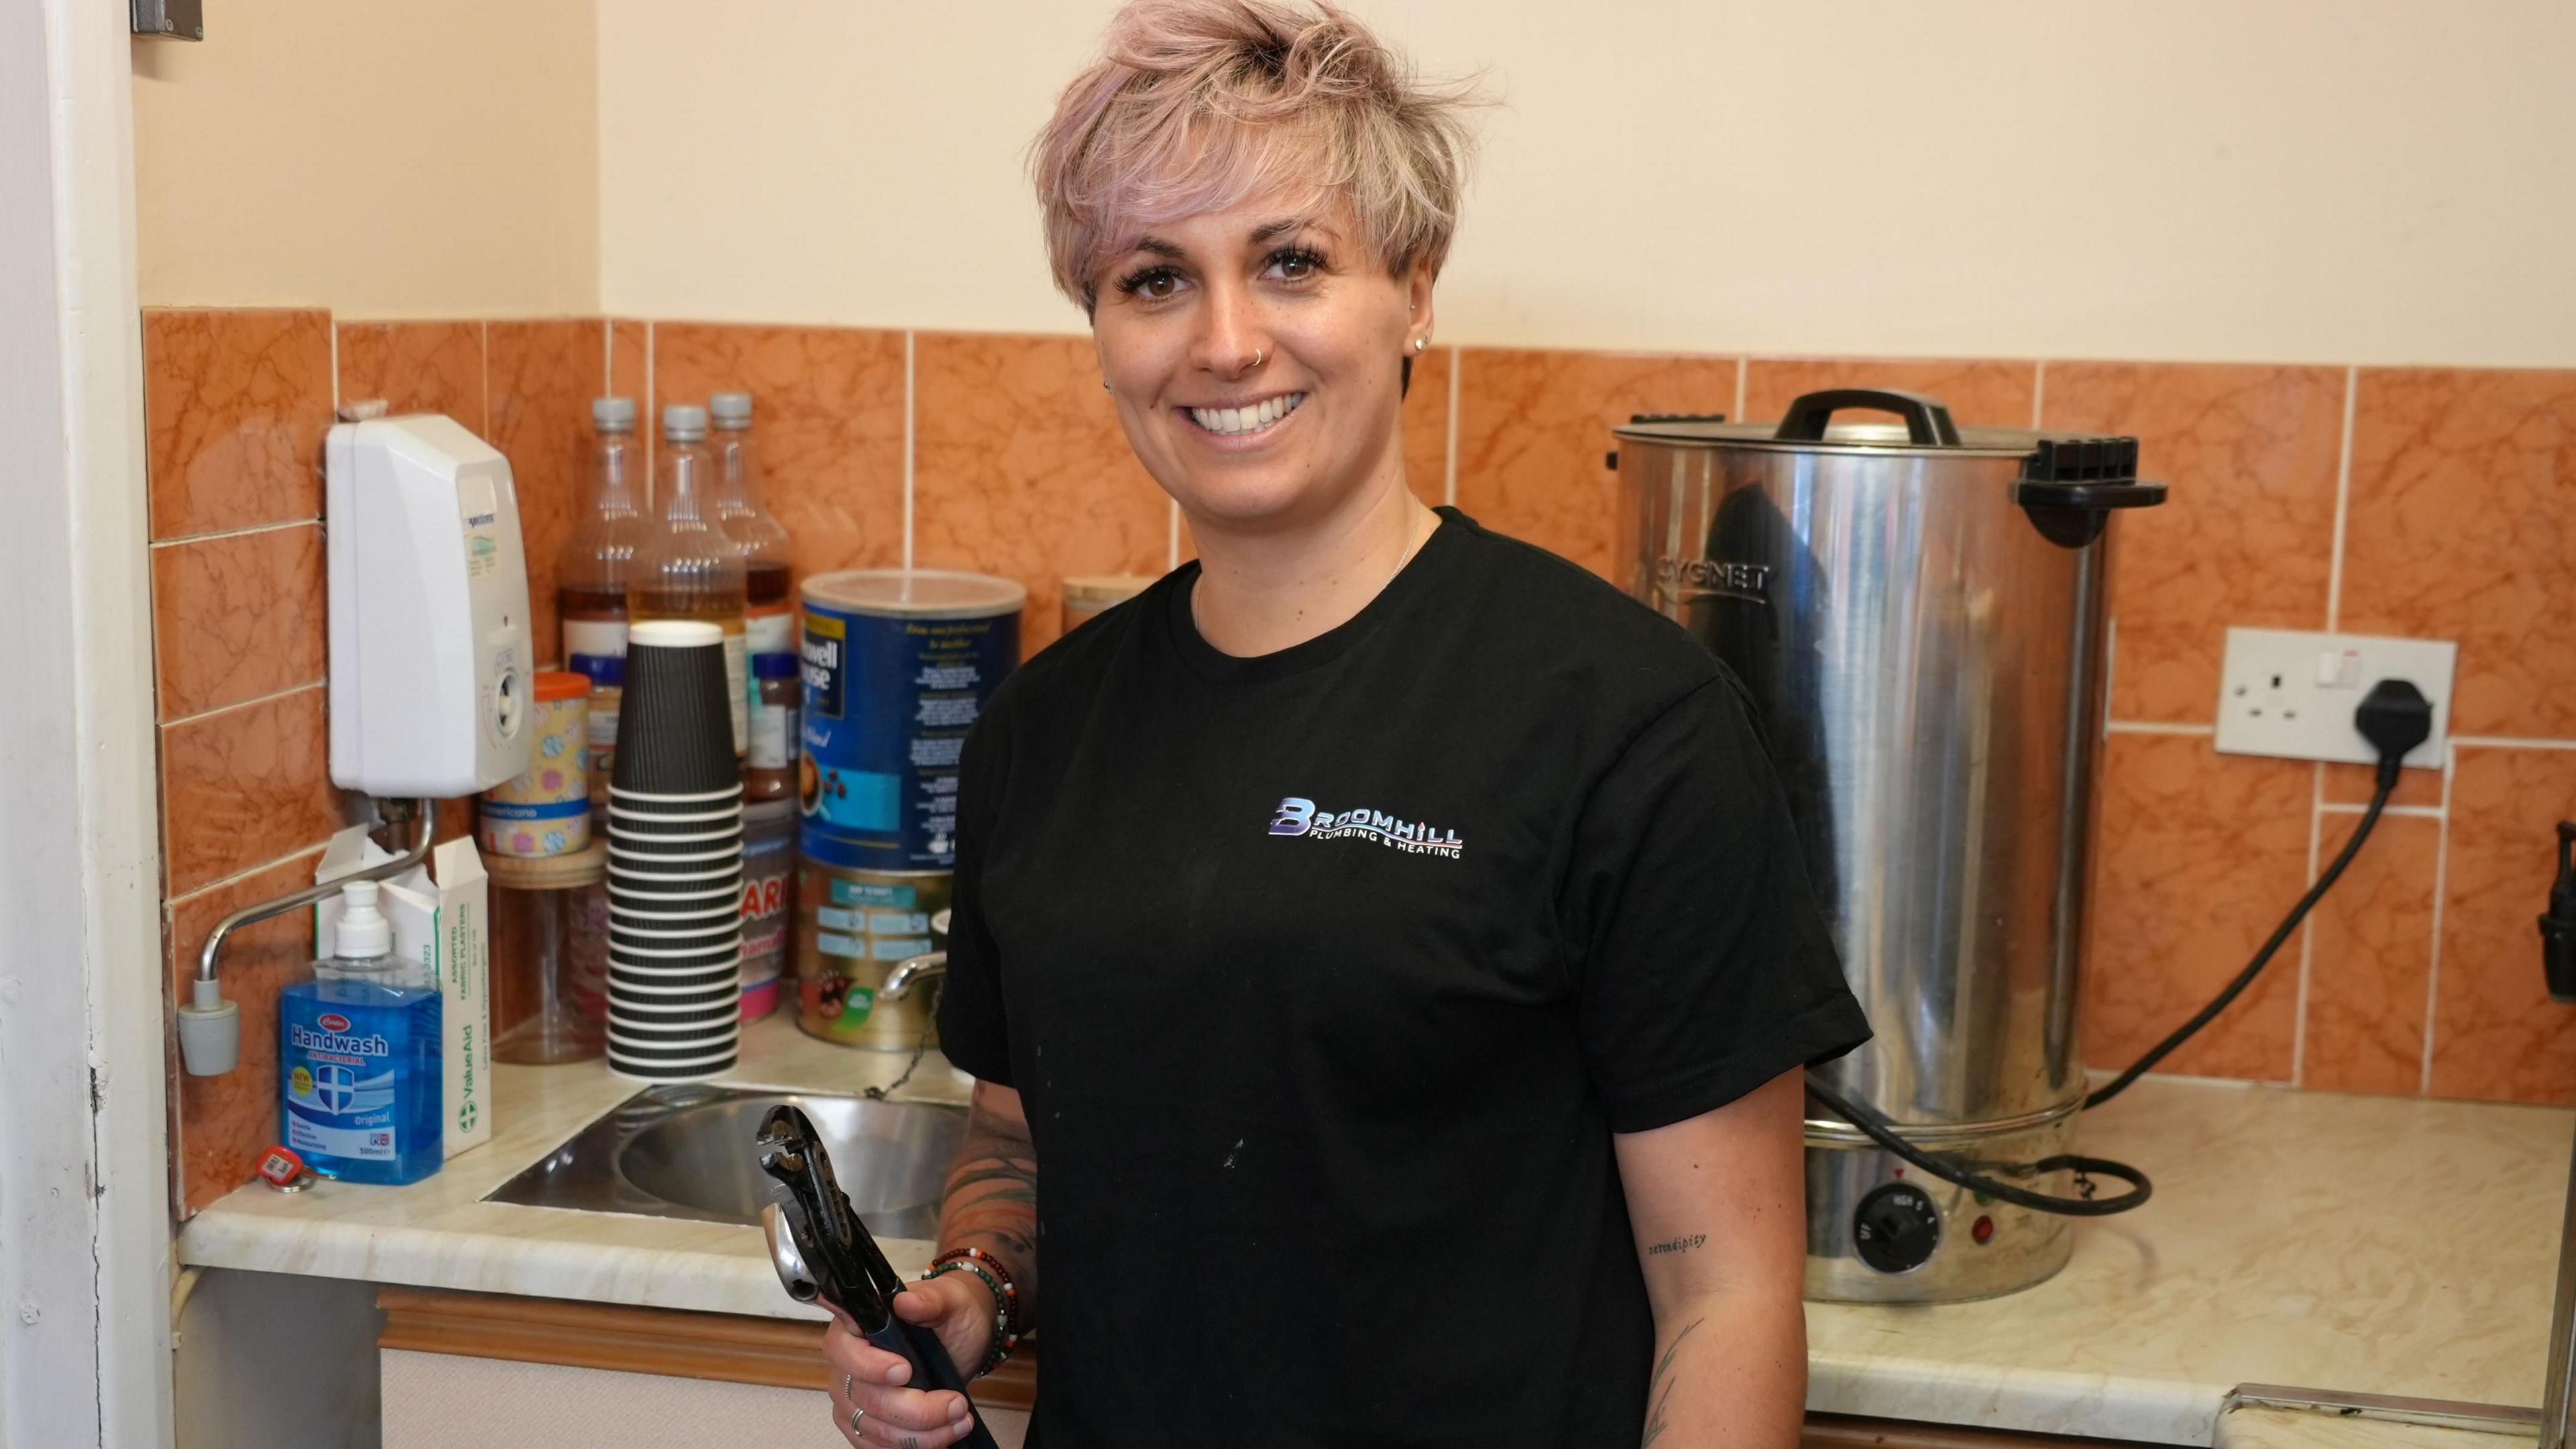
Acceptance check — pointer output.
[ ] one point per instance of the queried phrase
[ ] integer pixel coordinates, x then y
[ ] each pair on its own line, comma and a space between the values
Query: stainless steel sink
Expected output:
686, 1152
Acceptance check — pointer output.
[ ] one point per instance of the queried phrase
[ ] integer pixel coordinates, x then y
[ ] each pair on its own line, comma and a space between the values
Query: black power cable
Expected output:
2395, 717
1952, 1170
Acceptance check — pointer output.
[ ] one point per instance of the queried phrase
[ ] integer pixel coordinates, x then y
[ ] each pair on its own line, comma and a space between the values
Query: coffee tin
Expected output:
545, 811
897, 663
768, 896
853, 925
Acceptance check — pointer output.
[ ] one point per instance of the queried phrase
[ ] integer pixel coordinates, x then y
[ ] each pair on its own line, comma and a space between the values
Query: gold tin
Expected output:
852, 927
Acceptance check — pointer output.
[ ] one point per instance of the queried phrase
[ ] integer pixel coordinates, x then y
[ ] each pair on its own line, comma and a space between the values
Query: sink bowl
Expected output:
686, 1152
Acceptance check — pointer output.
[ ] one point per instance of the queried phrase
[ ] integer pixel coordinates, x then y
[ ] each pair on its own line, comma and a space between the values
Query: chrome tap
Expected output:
911, 971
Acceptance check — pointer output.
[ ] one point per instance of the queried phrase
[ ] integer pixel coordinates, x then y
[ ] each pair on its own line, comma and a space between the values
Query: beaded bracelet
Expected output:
989, 1271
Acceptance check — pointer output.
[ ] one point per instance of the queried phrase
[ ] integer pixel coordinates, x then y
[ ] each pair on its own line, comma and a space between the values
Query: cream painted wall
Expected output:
2380, 181
384, 158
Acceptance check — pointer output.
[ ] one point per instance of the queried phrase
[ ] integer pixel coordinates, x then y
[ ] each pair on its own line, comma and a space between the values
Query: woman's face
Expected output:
1297, 434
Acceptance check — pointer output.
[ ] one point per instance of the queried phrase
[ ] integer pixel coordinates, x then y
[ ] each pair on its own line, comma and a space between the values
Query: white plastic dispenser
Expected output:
431, 660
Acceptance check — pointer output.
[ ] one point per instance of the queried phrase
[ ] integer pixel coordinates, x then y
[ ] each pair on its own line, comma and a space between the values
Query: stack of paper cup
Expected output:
674, 861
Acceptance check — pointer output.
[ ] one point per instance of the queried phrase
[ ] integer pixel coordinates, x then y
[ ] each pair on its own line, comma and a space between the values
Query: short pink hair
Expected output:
1196, 105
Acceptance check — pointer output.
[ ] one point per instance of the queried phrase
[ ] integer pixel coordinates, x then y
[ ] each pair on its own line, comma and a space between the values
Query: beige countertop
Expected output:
2330, 1242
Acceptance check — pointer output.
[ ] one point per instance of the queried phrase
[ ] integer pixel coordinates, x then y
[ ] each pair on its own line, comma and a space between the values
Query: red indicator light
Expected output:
1983, 1229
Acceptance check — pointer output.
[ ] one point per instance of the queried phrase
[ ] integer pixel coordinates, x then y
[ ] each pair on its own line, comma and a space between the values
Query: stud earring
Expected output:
1104, 384
1420, 343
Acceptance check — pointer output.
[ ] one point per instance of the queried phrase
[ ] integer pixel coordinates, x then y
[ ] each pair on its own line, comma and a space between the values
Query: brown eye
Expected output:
1158, 286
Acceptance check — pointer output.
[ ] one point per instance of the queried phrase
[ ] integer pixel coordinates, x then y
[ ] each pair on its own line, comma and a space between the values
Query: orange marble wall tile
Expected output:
2496, 1034
244, 786
1426, 427
235, 402
2372, 959
1981, 392
1534, 433
630, 374
1020, 469
416, 367
2462, 525
541, 378
223, 1123
827, 415
2197, 856
237, 616
2247, 535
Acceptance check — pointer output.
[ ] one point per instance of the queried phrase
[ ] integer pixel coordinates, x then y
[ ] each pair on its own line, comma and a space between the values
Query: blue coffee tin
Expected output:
898, 663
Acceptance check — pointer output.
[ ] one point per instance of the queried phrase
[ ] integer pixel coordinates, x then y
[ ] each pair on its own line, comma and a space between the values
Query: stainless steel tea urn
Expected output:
1917, 610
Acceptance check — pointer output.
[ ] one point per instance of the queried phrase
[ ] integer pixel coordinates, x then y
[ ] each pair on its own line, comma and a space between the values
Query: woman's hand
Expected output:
955, 1306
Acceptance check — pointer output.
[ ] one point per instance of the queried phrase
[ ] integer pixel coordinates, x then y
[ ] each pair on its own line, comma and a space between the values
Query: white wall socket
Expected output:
2291, 695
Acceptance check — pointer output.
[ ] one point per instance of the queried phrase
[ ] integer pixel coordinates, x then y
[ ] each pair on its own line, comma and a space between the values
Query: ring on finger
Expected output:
856, 1414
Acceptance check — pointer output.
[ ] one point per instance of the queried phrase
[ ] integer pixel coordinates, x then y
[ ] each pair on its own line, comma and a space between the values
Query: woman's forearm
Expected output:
992, 1200
1731, 1371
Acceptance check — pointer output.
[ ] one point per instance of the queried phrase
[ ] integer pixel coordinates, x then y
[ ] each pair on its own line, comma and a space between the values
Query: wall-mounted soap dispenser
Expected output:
430, 653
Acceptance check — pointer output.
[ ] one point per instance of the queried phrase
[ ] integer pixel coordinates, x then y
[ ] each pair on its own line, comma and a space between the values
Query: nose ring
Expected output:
1259, 357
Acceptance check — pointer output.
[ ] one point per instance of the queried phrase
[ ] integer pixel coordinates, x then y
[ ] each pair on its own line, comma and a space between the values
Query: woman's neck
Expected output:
1261, 592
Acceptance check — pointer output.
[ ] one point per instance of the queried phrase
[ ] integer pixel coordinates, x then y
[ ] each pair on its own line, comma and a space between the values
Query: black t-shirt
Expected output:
1326, 976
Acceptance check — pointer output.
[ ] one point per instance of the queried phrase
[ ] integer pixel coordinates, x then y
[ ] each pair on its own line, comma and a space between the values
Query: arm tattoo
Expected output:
992, 1200
1677, 1245
1659, 1390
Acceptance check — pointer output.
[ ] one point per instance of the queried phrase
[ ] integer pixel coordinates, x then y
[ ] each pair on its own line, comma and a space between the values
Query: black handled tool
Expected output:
823, 1253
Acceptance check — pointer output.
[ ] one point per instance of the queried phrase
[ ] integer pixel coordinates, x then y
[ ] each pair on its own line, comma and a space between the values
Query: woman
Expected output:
1380, 945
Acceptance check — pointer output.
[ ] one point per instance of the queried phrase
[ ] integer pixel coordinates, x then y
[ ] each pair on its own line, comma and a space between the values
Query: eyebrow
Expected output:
1157, 246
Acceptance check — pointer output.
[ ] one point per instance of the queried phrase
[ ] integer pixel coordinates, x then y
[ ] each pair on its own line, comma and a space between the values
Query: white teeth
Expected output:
1237, 421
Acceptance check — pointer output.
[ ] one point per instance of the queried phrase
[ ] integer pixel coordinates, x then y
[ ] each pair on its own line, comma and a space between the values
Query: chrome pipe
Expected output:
425, 816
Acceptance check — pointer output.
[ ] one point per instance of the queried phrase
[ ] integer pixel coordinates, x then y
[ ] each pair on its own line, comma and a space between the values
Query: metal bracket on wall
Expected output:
170, 19
2439, 1413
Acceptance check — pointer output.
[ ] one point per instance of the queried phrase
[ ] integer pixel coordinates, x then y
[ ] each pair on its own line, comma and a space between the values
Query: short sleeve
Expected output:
1704, 967
974, 1030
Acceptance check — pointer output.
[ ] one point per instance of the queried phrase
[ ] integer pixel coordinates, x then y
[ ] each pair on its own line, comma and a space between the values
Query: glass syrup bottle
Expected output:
686, 566
769, 610
590, 589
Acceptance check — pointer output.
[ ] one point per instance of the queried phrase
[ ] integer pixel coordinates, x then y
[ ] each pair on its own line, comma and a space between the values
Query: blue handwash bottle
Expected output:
358, 1057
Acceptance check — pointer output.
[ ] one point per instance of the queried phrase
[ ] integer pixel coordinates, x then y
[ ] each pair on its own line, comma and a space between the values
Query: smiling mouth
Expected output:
1245, 421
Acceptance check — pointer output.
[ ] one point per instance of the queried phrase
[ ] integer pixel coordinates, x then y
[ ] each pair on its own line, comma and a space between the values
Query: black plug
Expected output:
2395, 717
2558, 927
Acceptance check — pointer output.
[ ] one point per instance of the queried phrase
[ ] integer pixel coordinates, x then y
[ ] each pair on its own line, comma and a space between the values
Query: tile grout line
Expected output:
2343, 502
652, 417
245, 873
1171, 535
2111, 668
2307, 930
2155, 727
331, 326
908, 409
243, 532
275, 694
1449, 457
2398, 812
1743, 364
2441, 887
2509, 742
608, 356
2038, 391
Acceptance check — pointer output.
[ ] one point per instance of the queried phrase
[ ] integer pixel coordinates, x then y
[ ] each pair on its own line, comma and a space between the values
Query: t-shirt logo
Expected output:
1298, 816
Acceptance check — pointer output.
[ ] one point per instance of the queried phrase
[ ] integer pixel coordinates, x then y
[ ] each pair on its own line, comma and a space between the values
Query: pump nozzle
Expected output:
2558, 924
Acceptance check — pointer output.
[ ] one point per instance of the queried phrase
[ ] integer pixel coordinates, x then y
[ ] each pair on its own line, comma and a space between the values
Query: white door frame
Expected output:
85, 1228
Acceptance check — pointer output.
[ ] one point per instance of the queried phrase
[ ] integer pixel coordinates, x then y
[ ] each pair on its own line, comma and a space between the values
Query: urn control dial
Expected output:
1896, 1228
